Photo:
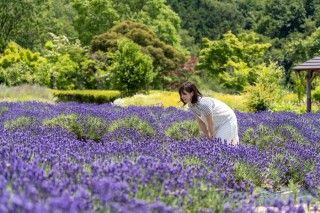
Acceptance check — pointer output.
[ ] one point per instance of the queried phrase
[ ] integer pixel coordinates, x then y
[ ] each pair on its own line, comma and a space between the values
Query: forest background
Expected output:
237, 50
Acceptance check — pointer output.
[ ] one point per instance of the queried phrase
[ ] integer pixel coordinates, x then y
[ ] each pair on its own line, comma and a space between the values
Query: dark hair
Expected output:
190, 87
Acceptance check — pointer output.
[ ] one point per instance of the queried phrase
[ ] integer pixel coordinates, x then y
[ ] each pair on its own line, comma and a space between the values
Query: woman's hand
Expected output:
210, 135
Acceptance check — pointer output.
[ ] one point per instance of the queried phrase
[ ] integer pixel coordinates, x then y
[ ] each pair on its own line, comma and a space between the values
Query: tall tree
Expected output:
207, 18
282, 17
98, 16
17, 21
165, 57
232, 59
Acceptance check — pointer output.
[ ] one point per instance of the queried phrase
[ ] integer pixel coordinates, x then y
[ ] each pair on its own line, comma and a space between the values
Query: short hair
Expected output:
190, 87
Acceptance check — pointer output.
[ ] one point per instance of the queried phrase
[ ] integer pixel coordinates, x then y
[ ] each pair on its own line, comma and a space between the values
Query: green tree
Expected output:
97, 16
93, 17
71, 65
20, 65
18, 21
267, 89
282, 17
231, 59
207, 18
165, 57
158, 16
132, 70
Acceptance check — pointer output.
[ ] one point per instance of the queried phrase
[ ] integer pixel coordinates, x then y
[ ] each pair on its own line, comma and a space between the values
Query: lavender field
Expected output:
74, 157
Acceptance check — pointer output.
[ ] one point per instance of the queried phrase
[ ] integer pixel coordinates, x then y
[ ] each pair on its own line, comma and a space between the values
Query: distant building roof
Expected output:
312, 64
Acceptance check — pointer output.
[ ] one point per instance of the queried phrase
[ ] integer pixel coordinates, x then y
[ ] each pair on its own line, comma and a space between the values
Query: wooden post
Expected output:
309, 80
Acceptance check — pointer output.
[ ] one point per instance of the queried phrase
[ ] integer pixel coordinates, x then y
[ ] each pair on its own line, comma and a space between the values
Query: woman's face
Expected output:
187, 96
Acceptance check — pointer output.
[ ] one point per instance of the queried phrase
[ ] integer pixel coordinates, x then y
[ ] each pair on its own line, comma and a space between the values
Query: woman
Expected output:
215, 118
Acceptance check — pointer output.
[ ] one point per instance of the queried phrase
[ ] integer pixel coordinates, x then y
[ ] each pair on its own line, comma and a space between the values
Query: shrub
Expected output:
267, 90
93, 127
154, 98
90, 96
20, 65
316, 94
132, 70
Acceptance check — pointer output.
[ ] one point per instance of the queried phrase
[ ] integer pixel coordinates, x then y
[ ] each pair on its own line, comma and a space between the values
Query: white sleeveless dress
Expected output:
224, 118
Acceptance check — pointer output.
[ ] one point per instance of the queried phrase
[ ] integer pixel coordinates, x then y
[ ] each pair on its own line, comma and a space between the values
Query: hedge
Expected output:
88, 96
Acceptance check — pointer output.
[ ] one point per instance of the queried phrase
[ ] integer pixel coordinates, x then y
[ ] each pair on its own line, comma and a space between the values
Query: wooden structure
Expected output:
311, 67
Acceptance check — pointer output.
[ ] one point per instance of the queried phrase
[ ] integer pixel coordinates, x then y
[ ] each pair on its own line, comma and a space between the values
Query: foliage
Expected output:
93, 17
246, 172
316, 94
232, 58
84, 127
305, 48
183, 130
299, 85
89, 96
165, 57
97, 16
20, 122
132, 70
19, 65
208, 19
70, 65
26, 93
279, 19
3, 109
267, 90
132, 122
17, 19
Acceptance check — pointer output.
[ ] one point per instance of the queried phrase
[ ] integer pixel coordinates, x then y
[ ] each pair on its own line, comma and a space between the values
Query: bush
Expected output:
132, 70
19, 65
89, 96
183, 130
267, 90
316, 94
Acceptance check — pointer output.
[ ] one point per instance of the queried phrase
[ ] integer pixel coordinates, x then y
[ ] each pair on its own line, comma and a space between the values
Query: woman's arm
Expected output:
210, 125
203, 126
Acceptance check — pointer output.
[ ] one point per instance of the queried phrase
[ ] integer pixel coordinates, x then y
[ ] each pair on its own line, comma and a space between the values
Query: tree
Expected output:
232, 59
93, 17
98, 16
71, 66
281, 18
19, 65
132, 70
267, 89
17, 19
207, 18
165, 57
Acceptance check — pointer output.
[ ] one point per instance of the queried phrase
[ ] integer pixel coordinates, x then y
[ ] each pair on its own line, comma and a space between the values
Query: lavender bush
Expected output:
72, 157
